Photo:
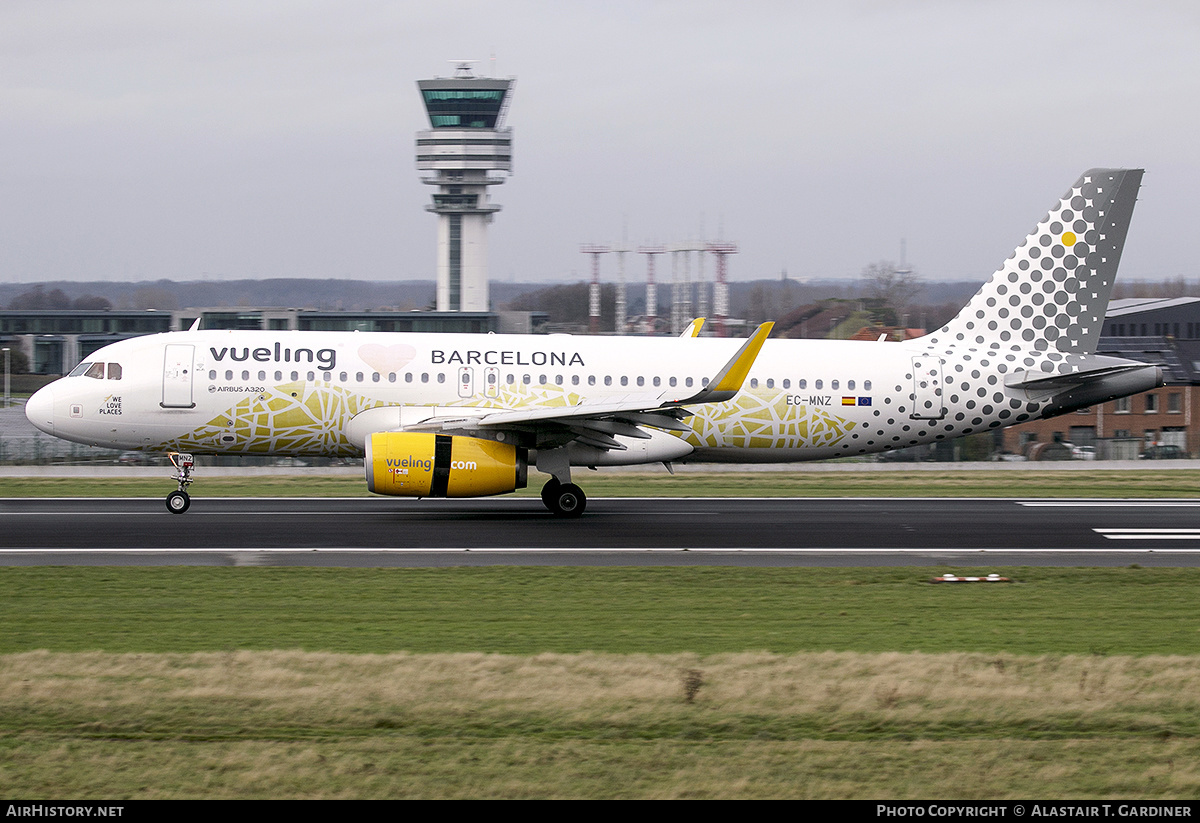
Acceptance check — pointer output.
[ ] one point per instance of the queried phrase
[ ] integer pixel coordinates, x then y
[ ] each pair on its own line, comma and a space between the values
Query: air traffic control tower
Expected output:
464, 149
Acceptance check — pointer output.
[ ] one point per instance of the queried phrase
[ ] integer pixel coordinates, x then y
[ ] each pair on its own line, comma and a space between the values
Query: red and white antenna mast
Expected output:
594, 292
651, 287
721, 287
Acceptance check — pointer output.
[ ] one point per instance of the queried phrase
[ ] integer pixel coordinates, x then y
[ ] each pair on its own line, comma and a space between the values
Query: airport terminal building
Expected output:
55, 341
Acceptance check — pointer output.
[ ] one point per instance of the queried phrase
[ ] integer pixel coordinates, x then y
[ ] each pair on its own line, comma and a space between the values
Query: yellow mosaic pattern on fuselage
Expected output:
762, 420
309, 419
291, 419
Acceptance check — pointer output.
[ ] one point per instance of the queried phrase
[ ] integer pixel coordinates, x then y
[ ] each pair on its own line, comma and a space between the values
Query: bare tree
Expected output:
891, 287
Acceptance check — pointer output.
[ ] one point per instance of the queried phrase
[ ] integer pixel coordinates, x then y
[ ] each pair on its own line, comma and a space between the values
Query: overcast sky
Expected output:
212, 140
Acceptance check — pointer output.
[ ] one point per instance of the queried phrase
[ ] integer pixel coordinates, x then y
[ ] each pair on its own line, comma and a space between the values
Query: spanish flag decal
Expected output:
849, 401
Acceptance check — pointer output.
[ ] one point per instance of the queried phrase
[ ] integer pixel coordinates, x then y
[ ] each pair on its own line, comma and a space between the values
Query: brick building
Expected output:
1163, 332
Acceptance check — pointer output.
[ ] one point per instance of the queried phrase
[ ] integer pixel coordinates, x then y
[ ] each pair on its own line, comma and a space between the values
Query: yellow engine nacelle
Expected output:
408, 464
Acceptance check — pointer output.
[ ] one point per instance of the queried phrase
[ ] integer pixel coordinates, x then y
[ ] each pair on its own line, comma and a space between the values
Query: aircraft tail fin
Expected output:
1052, 293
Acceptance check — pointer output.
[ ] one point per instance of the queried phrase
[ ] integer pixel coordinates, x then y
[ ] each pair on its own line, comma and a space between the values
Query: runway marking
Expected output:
1108, 504
575, 550
1149, 534
375, 500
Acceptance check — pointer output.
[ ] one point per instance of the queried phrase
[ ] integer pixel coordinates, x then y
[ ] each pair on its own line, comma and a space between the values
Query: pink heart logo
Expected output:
386, 359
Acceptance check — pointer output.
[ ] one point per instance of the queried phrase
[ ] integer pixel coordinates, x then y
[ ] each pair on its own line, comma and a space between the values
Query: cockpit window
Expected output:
114, 371
80, 369
96, 370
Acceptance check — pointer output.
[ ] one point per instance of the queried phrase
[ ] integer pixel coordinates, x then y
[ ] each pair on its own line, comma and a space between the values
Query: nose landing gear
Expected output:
178, 501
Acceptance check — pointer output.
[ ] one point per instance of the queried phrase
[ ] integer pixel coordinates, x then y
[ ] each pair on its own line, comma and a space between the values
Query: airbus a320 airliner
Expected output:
459, 415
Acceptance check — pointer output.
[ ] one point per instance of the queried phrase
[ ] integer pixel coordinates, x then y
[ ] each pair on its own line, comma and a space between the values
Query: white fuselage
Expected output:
297, 393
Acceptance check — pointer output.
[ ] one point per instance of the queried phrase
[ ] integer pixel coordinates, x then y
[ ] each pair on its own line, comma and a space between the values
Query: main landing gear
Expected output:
178, 501
560, 495
564, 499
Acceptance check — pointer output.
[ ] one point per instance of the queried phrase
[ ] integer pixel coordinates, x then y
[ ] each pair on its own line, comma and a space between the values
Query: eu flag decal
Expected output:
864, 401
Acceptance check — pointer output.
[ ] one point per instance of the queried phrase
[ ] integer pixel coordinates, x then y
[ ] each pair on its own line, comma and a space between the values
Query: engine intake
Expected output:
409, 464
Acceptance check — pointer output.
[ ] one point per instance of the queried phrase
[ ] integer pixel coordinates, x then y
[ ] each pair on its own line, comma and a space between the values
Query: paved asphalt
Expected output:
512, 531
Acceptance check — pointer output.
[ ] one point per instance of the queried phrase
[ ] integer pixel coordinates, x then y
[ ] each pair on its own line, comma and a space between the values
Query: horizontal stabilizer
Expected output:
1085, 380
1038, 381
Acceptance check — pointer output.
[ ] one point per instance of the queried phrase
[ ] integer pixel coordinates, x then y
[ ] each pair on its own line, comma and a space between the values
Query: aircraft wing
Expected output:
596, 423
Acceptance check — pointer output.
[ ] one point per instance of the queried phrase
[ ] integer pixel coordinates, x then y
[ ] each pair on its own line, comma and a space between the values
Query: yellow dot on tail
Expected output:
1068, 238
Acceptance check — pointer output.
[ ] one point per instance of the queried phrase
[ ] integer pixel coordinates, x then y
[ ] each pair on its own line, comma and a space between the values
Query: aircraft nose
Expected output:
39, 409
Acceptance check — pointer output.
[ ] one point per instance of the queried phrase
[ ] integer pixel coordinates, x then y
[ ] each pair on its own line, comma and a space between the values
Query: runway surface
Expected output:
621, 531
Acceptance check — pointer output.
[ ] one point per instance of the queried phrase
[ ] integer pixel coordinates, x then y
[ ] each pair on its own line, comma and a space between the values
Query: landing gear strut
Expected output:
560, 495
178, 501
564, 499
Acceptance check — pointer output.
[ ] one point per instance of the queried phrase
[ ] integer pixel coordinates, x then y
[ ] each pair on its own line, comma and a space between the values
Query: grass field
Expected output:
616, 682
566, 682
618, 610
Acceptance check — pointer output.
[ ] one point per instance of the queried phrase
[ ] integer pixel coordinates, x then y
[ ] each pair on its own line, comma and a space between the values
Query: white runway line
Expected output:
616, 550
1110, 504
1149, 534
